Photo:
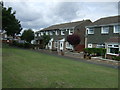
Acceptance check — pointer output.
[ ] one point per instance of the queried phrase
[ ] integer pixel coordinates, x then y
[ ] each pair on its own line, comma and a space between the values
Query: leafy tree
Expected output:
73, 39
45, 39
10, 24
28, 35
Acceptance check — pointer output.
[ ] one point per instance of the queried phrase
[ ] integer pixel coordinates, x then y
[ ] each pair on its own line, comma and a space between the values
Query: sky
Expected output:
39, 15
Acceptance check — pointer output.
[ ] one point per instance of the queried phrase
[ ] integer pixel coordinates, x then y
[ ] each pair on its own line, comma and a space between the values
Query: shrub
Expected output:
22, 45
116, 58
95, 51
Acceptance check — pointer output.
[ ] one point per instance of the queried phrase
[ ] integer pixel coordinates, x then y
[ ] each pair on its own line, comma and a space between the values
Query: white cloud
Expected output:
36, 15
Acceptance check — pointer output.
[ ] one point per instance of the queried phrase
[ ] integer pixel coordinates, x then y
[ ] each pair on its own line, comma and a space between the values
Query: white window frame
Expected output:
46, 32
89, 31
56, 32
51, 33
104, 28
62, 32
39, 34
71, 30
100, 45
36, 35
114, 30
42, 33
109, 46
89, 45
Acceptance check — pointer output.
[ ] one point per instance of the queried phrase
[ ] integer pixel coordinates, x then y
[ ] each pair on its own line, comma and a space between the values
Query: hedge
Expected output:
116, 58
97, 51
21, 45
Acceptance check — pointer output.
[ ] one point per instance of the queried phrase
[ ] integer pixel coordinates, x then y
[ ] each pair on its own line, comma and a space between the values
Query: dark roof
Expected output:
113, 40
106, 20
65, 25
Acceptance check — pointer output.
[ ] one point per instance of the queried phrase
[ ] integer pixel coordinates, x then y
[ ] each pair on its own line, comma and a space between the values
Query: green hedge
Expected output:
97, 51
116, 58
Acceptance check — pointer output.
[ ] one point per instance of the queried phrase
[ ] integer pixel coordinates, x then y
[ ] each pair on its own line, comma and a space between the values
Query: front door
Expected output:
61, 45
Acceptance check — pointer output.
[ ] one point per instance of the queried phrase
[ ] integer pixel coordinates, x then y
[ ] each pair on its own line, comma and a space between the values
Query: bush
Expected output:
95, 51
116, 58
21, 45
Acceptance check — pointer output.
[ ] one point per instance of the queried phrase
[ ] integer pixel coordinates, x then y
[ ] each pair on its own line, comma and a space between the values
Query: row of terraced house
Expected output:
103, 33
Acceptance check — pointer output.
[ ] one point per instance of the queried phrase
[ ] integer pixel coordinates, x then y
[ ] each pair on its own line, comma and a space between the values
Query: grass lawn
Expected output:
27, 69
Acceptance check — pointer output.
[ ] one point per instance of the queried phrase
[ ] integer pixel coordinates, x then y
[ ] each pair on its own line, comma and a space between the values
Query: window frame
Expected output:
70, 31
62, 32
88, 31
114, 30
103, 28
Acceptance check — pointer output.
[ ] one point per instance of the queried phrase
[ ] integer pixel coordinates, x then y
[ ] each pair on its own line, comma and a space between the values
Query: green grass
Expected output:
27, 69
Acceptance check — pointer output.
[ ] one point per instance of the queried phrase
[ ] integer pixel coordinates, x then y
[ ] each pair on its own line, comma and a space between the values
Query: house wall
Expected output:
79, 29
98, 38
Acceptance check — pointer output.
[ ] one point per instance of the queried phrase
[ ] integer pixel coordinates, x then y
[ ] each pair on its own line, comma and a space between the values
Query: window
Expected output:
89, 45
41, 33
62, 32
116, 29
90, 31
36, 35
100, 46
105, 30
46, 32
51, 33
71, 31
56, 32
112, 49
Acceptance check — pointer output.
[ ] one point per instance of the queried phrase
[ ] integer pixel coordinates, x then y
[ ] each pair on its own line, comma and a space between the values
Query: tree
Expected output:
10, 24
46, 39
73, 39
28, 35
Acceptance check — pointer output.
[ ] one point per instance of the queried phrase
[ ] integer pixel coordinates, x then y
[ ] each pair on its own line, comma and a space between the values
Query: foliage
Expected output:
73, 39
28, 35
10, 24
46, 39
21, 45
97, 51
116, 58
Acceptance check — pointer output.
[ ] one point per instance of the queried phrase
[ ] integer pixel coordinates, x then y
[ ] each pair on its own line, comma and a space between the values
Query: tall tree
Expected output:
28, 35
10, 24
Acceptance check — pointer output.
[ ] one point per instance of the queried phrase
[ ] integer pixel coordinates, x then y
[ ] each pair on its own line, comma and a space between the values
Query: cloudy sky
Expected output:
37, 15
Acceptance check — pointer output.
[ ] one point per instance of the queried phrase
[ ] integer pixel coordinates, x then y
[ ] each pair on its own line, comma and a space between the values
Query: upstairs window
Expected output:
39, 34
56, 32
105, 30
51, 33
46, 32
90, 31
116, 29
71, 31
36, 35
62, 32
42, 33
